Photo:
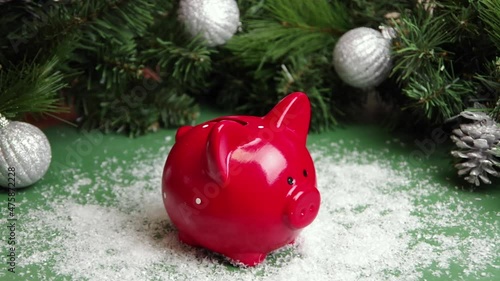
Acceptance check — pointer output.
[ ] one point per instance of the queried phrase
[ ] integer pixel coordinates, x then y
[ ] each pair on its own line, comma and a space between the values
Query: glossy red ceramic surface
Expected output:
243, 186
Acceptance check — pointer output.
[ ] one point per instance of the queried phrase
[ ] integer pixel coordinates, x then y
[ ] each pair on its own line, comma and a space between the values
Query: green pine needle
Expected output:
189, 65
296, 28
420, 44
439, 94
318, 15
489, 11
495, 113
30, 88
132, 67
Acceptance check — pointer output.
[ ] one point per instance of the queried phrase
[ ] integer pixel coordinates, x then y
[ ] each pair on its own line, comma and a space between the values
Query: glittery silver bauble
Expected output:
362, 57
26, 149
215, 20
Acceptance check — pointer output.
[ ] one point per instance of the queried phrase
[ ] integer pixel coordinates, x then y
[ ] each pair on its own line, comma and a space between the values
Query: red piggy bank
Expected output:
243, 186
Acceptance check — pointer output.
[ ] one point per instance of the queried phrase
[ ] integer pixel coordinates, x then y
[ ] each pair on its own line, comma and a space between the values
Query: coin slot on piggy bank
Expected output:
236, 119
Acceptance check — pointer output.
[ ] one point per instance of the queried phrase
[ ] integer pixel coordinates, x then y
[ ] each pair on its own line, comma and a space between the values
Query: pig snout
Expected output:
302, 208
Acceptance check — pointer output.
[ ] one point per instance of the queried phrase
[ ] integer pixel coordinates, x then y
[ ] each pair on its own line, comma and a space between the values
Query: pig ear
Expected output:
223, 139
293, 113
181, 131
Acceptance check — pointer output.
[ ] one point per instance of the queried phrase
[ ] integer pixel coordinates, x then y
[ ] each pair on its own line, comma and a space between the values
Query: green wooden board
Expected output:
102, 187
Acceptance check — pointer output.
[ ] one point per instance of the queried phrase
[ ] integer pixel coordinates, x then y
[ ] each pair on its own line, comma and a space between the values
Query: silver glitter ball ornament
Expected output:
25, 148
362, 57
215, 20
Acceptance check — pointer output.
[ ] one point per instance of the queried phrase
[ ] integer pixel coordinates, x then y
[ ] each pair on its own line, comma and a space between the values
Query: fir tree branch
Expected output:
296, 28
291, 79
314, 29
134, 68
317, 16
105, 17
495, 113
439, 94
461, 20
136, 109
177, 109
373, 13
189, 65
420, 44
304, 74
123, 66
324, 118
490, 90
489, 11
36, 91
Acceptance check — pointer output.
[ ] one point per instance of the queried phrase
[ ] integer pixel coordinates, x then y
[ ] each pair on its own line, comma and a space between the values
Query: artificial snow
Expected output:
375, 223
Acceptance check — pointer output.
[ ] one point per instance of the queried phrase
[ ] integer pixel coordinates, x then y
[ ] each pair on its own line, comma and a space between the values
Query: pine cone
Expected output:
478, 144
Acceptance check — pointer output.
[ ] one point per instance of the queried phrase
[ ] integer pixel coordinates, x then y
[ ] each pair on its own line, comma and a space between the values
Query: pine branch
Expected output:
296, 28
136, 109
115, 53
102, 18
439, 94
251, 8
420, 44
373, 13
132, 67
318, 16
176, 109
489, 81
35, 91
188, 65
430, 47
461, 19
495, 113
241, 89
489, 11
304, 74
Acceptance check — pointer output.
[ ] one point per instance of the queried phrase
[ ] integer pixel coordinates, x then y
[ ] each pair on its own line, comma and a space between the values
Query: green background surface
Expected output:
64, 140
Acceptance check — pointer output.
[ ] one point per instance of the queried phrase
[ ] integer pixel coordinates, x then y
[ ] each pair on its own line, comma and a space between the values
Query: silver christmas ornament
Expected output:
478, 144
362, 57
26, 149
215, 20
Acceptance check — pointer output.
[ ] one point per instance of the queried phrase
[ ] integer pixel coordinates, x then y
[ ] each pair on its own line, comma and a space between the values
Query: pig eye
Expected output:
304, 173
290, 180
